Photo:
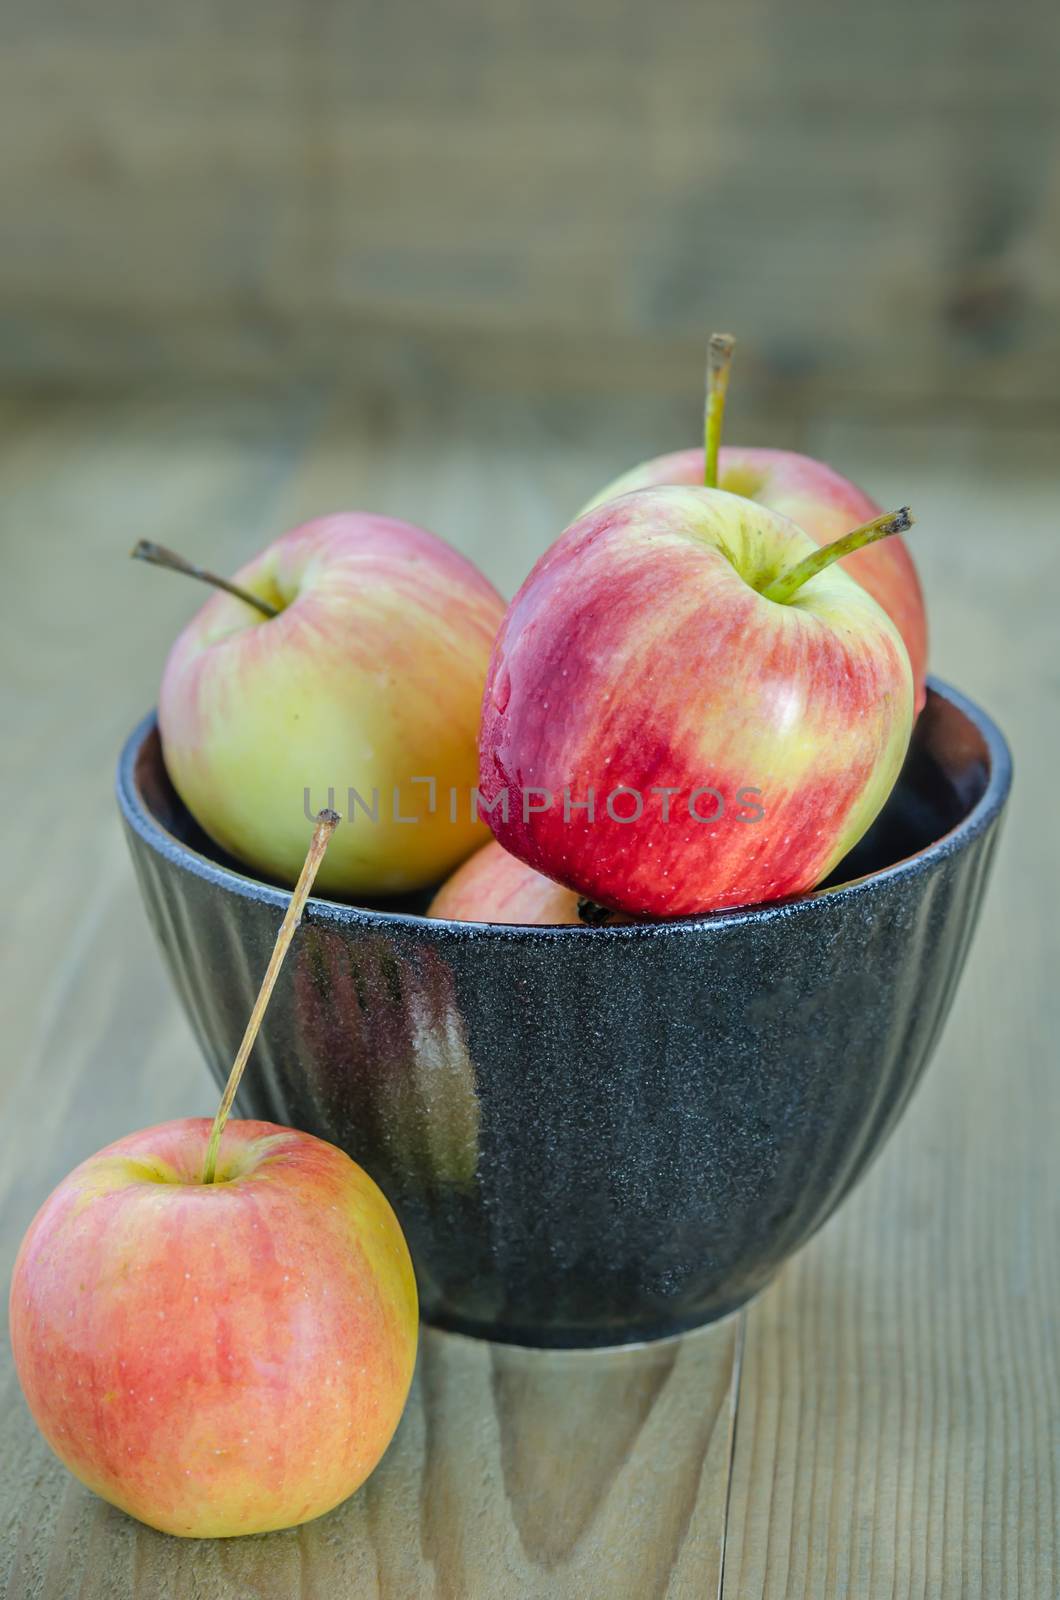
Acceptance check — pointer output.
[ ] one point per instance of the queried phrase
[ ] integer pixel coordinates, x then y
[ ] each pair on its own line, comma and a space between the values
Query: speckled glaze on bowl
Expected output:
594, 1135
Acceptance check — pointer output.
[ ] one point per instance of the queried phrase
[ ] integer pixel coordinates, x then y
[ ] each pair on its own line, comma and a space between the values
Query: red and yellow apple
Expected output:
493, 886
823, 504
733, 746
368, 679
216, 1358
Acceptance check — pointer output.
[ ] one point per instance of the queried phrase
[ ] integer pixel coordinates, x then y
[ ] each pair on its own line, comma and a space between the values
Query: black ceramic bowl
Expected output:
594, 1135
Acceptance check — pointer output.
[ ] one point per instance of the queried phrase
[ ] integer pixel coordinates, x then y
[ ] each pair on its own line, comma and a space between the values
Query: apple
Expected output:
690, 706
219, 1340
493, 886
216, 1358
824, 504
351, 657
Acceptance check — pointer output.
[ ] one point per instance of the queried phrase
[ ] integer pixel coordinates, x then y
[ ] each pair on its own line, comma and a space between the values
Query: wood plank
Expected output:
901, 1387
243, 184
901, 1397
515, 1474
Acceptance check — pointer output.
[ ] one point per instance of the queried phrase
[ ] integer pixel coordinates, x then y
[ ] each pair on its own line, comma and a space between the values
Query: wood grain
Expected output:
491, 1487
871, 194
901, 1380
900, 1422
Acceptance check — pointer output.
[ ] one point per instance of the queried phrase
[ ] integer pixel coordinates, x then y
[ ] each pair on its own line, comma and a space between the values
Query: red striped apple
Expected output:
689, 706
368, 676
217, 1358
824, 504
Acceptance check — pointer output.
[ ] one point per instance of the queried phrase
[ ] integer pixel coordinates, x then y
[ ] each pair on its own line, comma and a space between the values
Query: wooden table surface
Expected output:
900, 1382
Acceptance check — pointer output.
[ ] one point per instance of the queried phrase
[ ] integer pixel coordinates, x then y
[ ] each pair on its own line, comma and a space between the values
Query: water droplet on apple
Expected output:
502, 689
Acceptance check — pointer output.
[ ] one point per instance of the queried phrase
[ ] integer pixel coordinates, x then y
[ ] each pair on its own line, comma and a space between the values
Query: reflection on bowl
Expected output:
594, 1135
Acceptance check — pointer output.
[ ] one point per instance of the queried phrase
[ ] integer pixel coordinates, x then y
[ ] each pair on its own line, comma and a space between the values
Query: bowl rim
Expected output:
243, 884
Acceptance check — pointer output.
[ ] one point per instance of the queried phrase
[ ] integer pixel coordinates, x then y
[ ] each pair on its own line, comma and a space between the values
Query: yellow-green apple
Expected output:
494, 886
690, 706
362, 691
824, 504
216, 1358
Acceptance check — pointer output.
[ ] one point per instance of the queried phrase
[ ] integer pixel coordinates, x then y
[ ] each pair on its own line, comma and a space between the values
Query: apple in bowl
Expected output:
493, 886
824, 504
690, 706
344, 664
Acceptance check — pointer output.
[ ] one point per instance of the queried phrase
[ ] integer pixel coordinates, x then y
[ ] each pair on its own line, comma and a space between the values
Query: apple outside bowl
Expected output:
595, 1135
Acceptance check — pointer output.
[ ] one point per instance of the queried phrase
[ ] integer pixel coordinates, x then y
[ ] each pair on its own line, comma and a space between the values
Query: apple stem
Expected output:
326, 823
159, 556
785, 584
719, 361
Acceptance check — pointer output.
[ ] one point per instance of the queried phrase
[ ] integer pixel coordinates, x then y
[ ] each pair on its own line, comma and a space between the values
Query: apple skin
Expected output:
824, 505
216, 1359
371, 676
638, 653
493, 886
